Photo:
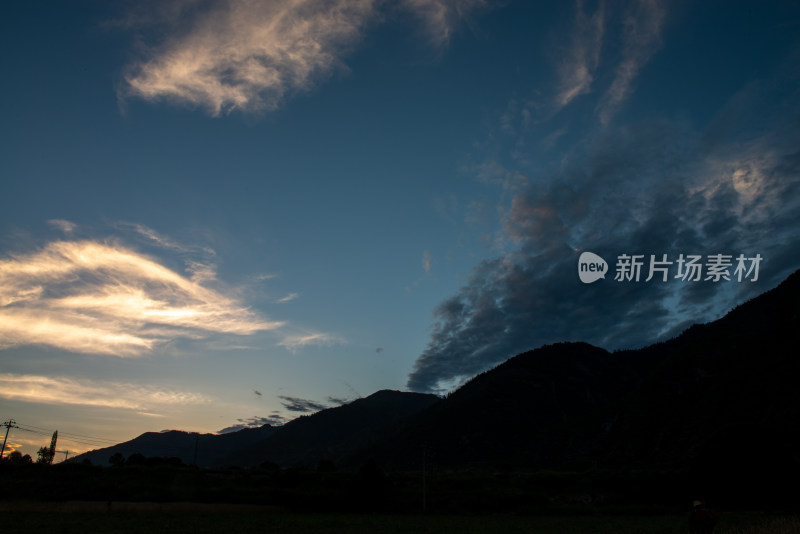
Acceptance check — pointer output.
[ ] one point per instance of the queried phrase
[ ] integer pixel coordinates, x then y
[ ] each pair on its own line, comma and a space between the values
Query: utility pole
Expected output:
9, 425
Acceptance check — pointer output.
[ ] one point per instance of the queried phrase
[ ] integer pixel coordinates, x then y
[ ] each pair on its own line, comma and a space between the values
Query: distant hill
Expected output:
721, 401
210, 448
337, 434
723, 393
520, 413
726, 391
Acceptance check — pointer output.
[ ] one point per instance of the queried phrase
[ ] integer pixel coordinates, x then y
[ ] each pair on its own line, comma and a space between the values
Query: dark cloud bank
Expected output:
294, 404
291, 404
656, 187
254, 422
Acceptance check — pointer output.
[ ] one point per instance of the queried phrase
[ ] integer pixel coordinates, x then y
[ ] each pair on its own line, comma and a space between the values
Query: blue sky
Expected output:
220, 213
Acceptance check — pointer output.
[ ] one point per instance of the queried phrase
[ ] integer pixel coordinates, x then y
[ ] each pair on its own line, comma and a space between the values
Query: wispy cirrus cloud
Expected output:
295, 342
597, 60
226, 55
603, 53
65, 226
442, 17
247, 56
102, 297
641, 39
577, 66
288, 298
427, 258
156, 238
62, 390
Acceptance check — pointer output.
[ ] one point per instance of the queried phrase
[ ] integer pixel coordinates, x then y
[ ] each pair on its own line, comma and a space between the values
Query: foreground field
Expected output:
154, 518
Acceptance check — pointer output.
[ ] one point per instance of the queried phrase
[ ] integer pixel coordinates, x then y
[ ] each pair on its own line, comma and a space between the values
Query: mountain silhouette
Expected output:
336, 434
207, 449
721, 392
720, 402
520, 412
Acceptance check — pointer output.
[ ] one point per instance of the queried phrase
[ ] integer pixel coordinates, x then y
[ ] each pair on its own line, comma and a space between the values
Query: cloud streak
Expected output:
593, 44
427, 258
288, 298
65, 226
641, 38
240, 55
296, 404
254, 422
576, 68
442, 17
61, 390
295, 342
94, 297
247, 56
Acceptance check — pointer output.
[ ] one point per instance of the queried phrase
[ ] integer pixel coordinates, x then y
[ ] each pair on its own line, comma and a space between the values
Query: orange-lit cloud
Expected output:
61, 390
427, 258
93, 297
11, 446
295, 342
65, 226
288, 298
249, 55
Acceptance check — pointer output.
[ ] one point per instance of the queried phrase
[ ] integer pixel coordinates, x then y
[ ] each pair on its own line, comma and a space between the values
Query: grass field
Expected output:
152, 518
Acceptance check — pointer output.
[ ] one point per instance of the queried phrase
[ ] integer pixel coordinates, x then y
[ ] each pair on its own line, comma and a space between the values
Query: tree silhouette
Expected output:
16, 457
44, 456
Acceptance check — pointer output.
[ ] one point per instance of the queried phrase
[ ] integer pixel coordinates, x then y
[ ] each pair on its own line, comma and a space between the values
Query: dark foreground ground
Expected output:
160, 496
95, 517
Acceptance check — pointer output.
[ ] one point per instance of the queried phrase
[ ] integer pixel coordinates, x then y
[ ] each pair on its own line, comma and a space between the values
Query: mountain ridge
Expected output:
692, 402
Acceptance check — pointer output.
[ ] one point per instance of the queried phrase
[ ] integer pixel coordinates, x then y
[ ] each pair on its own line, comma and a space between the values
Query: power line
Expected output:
80, 439
70, 439
91, 438
73, 437
32, 431
49, 431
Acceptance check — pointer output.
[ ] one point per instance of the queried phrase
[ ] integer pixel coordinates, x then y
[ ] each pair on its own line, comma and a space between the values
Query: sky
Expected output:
217, 214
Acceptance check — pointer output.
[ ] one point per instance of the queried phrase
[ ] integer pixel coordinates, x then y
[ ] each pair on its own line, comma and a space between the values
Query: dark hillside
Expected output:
726, 389
720, 402
724, 401
210, 448
336, 434
517, 414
